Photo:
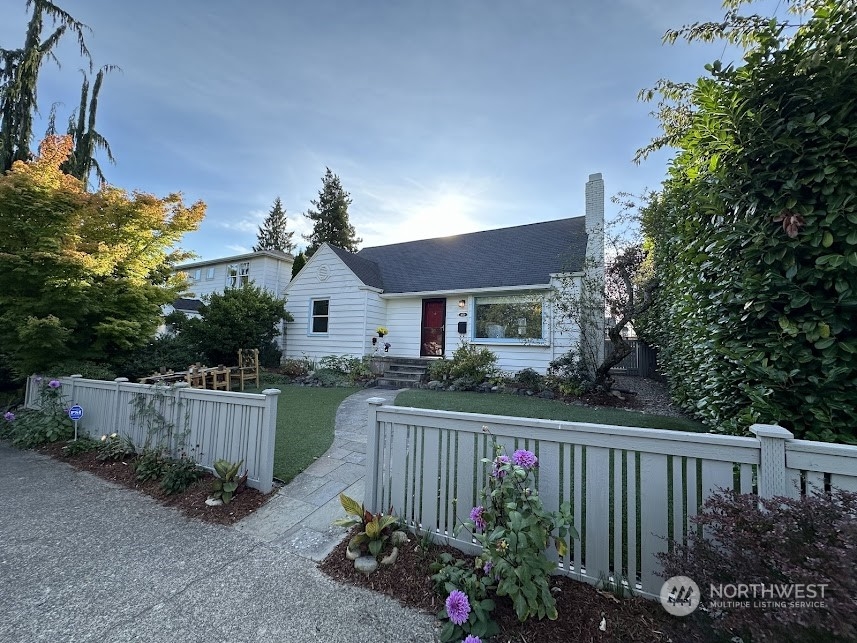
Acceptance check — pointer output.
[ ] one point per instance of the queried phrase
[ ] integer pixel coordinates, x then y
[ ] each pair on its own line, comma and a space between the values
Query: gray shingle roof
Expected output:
516, 256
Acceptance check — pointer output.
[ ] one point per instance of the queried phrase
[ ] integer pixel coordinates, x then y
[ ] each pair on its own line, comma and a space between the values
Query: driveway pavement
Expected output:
83, 560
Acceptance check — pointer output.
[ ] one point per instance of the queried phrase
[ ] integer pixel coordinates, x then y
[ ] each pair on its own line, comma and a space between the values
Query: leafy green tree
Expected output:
19, 75
300, 262
82, 275
753, 233
330, 217
273, 233
245, 317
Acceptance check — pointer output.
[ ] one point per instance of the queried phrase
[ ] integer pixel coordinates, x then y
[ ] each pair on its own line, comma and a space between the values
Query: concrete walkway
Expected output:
83, 560
299, 518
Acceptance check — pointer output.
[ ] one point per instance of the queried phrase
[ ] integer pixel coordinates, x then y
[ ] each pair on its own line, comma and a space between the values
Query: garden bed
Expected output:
191, 502
581, 606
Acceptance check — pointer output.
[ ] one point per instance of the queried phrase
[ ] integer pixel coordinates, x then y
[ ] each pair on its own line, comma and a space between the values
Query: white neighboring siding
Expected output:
376, 315
404, 321
346, 332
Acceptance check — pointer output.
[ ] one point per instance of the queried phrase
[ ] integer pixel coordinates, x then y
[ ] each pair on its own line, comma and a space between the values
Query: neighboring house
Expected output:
270, 270
490, 288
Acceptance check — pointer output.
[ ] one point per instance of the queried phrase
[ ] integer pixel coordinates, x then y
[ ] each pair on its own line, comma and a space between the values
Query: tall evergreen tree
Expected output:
19, 75
330, 217
300, 262
81, 127
273, 234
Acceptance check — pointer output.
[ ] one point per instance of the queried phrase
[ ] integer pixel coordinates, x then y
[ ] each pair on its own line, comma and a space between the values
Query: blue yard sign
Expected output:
75, 412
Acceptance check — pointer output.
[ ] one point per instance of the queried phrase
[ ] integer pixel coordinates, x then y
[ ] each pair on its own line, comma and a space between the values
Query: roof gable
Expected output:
517, 256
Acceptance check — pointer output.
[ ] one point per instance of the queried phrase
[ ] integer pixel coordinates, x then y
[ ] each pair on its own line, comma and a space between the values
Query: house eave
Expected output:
465, 291
246, 255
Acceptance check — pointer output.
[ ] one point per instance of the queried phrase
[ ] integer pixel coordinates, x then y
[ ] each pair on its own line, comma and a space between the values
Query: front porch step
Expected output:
403, 372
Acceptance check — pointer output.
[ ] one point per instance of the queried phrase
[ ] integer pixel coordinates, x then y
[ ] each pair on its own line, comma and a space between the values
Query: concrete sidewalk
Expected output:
299, 518
83, 560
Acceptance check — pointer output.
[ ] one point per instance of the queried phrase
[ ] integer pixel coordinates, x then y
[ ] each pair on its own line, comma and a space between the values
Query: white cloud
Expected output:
239, 249
250, 222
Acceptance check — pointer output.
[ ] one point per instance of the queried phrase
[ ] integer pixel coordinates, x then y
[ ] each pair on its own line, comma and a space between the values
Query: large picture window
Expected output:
237, 274
320, 315
515, 317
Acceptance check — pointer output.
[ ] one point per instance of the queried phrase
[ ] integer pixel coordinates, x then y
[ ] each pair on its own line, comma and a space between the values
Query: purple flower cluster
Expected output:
526, 459
476, 517
9, 416
457, 606
487, 567
472, 639
54, 384
499, 461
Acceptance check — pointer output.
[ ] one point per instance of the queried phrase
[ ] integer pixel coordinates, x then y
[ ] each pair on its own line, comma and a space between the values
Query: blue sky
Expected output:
439, 117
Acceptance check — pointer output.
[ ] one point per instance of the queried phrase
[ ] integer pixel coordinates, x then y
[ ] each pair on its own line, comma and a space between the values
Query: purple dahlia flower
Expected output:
54, 384
472, 639
476, 517
499, 461
457, 607
526, 459
9, 416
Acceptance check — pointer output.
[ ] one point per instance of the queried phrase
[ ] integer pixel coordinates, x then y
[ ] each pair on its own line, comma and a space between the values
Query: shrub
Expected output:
293, 368
167, 351
228, 481
809, 540
150, 465
476, 363
50, 423
81, 445
529, 379
114, 447
568, 375
180, 474
90, 370
439, 370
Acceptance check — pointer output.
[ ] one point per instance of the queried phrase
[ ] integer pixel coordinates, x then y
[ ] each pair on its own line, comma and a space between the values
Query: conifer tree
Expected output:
300, 262
273, 234
330, 217
19, 75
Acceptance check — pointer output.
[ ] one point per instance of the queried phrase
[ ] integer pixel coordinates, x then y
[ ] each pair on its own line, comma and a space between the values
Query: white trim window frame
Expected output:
237, 274
496, 320
319, 316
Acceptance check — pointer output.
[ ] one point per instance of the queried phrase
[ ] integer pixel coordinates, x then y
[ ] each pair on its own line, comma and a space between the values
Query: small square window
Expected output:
197, 274
320, 315
237, 274
210, 273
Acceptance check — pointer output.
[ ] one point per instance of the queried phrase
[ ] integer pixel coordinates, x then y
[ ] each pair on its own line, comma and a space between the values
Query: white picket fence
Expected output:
214, 424
630, 488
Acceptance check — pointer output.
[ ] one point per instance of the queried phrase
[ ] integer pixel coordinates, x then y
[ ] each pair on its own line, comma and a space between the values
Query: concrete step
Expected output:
390, 382
403, 375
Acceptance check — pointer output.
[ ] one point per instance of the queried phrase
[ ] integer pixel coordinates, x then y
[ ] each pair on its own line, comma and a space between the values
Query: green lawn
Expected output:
305, 417
535, 407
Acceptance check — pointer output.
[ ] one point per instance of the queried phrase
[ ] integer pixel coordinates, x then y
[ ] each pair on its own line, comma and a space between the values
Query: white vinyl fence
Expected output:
210, 425
630, 488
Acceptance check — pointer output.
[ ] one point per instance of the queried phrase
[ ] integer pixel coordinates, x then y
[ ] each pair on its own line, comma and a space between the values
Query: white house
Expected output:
490, 288
270, 270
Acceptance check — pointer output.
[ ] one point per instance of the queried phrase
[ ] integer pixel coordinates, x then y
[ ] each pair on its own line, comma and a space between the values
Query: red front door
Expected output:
434, 324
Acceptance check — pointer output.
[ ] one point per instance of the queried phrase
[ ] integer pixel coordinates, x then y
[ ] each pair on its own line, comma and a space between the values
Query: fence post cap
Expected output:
376, 401
121, 379
771, 431
271, 391
181, 385
77, 375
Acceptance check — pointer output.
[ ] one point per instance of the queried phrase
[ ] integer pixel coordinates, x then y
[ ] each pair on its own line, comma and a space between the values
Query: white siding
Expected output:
346, 333
376, 315
404, 321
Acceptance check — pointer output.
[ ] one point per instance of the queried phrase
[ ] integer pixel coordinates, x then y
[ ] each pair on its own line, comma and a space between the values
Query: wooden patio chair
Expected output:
248, 367
196, 376
221, 379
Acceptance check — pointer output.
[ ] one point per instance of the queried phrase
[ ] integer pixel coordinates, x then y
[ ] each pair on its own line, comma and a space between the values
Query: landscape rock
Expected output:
547, 395
352, 554
366, 564
399, 538
391, 558
434, 385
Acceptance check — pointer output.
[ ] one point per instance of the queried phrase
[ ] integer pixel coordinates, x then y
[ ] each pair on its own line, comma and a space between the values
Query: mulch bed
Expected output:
580, 606
191, 502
